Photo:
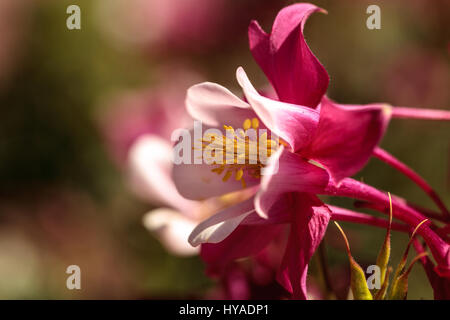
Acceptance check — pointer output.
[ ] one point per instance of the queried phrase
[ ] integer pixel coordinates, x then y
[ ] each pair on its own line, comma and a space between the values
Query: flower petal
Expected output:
172, 230
294, 175
150, 163
245, 241
216, 106
346, 136
310, 218
220, 225
293, 123
294, 71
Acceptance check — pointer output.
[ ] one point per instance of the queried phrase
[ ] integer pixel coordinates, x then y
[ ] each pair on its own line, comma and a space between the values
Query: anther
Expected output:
244, 185
255, 123
239, 174
218, 170
227, 176
247, 124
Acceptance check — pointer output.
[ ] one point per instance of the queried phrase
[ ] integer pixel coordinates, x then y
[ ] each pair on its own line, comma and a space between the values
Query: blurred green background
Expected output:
64, 198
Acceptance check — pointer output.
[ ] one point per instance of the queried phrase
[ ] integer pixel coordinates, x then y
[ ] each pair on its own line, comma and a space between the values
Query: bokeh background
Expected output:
73, 101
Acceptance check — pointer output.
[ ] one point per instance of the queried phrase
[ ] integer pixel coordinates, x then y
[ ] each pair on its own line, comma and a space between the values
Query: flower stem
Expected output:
385, 209
354, 189
416, 113
411, 174
341, 214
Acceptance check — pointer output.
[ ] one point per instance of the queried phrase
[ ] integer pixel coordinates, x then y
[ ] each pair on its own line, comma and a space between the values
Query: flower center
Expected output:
239, 151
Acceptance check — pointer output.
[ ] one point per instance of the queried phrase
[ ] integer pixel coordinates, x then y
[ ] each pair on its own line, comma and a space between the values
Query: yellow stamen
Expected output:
243, 183
229, 128
284, 143
227, 176
255, 123
247, 124
240, 152
219, 170
239, 174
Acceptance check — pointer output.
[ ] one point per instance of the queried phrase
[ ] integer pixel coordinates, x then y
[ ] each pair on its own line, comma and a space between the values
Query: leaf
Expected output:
358, 281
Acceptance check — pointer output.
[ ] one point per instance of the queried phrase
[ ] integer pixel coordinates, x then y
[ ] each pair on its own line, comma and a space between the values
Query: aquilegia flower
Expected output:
321, 143
341, 138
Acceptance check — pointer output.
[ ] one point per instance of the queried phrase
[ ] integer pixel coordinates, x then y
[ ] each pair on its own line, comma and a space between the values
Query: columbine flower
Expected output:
321, 142
338, 137
329, 135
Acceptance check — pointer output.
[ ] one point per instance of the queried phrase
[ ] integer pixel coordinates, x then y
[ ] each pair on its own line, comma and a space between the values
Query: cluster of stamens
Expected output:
239, 151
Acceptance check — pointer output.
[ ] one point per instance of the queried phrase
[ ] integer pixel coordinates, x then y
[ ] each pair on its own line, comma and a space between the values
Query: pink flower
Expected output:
322, 143
160, 24
158, 110
137, 126
329, 135
150, 165
253, 278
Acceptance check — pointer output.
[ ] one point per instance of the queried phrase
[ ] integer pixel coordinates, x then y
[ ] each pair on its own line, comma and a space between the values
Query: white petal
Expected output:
150, 162
220, 225
215, 105
172, 229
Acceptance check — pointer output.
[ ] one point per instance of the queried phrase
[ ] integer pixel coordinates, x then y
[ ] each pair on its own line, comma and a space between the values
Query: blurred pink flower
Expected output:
150, 163
169, 23
173, 26
249, 279
158, 110
137, 126
14, 22
417, 77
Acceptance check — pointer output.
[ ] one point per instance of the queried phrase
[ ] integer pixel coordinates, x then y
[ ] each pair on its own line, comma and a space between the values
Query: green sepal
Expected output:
381, 294
385, 251
358, 282
399, 271
399, 289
